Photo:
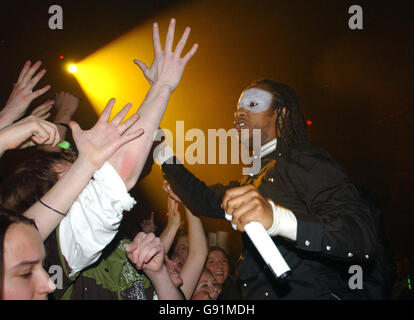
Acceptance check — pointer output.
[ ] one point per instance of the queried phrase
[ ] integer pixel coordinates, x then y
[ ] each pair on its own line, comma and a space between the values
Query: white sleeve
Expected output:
94, 218
163, 153
284, 222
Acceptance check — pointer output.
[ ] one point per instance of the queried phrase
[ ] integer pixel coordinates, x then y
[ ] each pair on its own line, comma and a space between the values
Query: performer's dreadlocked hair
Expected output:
291, 126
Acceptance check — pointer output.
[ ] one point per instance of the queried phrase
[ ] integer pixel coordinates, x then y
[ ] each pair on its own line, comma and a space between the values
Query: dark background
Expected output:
355, 85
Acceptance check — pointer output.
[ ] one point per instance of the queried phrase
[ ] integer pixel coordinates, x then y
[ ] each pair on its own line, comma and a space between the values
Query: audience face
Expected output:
181, 248
174, 269
24, 254
218, 265
207, 287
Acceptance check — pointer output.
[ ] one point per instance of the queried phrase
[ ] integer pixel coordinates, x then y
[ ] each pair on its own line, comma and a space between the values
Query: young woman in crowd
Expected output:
218, 263
207, 287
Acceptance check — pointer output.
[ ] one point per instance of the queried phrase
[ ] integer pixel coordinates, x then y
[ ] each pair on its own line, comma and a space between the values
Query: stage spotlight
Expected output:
72, 68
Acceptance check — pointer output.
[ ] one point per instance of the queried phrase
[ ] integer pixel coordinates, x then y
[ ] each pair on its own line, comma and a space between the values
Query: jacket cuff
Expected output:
309, 233
284, 223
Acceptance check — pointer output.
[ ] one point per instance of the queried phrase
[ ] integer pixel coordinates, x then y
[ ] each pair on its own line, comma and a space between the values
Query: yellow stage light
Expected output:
72, 68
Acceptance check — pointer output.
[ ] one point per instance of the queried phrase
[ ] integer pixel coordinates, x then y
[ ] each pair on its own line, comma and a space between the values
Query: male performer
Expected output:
301, 196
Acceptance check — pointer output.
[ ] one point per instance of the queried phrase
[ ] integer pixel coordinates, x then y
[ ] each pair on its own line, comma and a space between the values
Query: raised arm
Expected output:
197, 248
194, 193
197, 254
66, 105
173, 224
165, 72
95, 146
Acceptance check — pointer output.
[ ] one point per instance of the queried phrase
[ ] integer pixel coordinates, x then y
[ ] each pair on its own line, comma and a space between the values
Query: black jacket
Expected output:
335, 227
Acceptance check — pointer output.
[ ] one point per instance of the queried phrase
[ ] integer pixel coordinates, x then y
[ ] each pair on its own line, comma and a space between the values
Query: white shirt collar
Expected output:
268, 147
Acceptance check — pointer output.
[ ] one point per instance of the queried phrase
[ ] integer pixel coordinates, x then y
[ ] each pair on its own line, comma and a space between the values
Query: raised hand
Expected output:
27, 132
22, 94
148, 225
174, 216
66, 105
100, 142
146, 252
42, 111
167, 67
167, 188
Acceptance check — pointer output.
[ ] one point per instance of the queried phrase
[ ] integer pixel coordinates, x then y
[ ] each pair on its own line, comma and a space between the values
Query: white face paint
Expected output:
255, 100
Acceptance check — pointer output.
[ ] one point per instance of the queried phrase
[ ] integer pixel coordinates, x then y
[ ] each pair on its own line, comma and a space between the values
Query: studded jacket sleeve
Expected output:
337, 223
199, 198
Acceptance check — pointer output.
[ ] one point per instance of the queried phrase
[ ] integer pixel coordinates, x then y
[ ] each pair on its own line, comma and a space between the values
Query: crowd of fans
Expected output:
61, 208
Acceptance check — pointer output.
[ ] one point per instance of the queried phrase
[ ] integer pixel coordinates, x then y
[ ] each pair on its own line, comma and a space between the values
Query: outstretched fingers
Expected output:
33, 82
144, 68
24, 71
182, 42
30, 73
190, 54
40, 92
170, 36
128, 123
42, 111
131, 136
121, 114
104, 117
156, 41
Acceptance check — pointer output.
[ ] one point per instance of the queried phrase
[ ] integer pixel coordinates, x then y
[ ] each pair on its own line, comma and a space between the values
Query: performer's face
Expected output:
254, 111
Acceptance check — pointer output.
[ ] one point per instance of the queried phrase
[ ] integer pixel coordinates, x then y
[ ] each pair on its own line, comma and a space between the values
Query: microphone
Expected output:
266, 247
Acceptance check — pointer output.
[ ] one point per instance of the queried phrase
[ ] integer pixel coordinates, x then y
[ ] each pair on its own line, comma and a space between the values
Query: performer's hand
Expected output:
167, 67
246, 204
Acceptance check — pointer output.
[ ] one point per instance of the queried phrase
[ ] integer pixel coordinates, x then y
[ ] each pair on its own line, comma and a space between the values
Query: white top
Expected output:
94, 218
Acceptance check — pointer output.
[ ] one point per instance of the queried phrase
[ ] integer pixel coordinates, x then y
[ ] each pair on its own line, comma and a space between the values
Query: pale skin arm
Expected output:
166, 72
95, 147
197, 248
173, 224
197, 254
146, 252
